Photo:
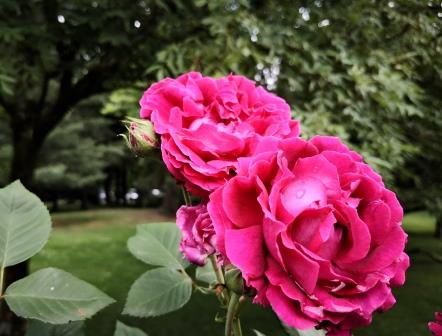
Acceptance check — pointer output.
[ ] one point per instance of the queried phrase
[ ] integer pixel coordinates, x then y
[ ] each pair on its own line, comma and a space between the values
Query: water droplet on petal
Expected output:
300, 193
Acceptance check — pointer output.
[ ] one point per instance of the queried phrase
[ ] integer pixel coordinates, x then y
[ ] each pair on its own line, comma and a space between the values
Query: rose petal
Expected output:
295, 148
303, 193
377, 216
358, 237
244, 248
323, 143
304, 270
435, 328
384, 254
320, 168
312, 227
343, 162
220, 221
397, 213
287, 310
240, 202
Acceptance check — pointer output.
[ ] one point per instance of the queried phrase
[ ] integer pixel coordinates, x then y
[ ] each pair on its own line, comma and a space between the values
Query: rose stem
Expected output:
2, 274
219, 278
232, 322
186, 196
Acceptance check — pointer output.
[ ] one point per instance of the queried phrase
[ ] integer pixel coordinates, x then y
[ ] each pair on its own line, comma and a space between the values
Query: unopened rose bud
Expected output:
141, 137
234, 281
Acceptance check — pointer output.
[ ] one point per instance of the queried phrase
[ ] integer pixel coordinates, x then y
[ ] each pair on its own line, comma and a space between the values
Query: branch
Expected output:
44, 92
55, 114
91, 83
71, 94
400, 33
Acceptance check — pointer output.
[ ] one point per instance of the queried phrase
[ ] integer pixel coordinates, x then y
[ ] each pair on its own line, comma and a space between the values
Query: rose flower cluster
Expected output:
312, 228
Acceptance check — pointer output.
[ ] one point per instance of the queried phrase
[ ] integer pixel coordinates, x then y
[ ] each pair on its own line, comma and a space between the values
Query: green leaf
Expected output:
296, 332
311, 332
158, 244
55, 296
124, 330
38, 328
158, 291
258, 333
25, 224
206, 273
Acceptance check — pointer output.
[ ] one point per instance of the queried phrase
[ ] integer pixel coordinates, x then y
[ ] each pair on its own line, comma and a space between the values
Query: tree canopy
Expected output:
368, 71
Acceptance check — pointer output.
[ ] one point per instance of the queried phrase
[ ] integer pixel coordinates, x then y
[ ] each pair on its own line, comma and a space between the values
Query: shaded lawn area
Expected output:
92, 245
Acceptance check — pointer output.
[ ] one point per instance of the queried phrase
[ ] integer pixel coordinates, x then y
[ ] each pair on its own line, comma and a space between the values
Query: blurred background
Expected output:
367, 71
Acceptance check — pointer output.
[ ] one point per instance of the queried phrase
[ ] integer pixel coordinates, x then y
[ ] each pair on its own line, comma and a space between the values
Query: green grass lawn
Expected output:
92, 245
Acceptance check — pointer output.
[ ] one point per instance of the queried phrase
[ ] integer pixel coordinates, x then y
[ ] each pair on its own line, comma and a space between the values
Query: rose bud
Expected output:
234, 281
141, 137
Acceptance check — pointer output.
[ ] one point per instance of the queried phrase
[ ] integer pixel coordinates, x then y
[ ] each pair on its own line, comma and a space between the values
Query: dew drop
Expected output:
300, 193
52, 288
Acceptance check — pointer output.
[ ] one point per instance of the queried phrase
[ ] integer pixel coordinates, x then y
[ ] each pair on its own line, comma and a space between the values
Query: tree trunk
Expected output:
24, 160
84, 200
10, 324
438, 232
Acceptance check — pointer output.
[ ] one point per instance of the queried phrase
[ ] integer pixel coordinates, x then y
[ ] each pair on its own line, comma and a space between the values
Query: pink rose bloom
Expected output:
436, 327
206, 124
198, 240
314, 230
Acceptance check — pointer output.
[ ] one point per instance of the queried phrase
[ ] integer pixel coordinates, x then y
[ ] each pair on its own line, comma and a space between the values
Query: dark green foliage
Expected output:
76, 155
368, 71
5, 151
